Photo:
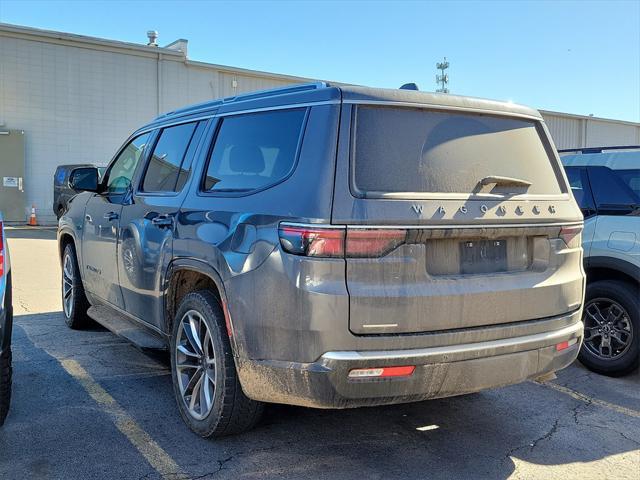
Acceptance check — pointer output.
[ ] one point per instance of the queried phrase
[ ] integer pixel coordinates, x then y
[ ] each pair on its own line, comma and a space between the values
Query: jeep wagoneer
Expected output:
331, 247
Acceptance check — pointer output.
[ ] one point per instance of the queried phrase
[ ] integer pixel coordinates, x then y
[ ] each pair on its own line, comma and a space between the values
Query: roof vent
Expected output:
409, 86
152, 35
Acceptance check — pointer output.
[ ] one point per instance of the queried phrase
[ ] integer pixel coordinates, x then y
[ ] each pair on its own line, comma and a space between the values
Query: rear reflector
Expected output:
564, 345
571, 236
339, 242
382, 372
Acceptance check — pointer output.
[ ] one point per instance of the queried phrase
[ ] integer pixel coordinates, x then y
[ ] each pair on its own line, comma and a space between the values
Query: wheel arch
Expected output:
65, 237
188, 275
609, 268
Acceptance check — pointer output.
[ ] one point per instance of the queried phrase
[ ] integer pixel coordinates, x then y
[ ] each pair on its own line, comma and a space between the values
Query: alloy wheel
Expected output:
195, 364
608, 329
67, 285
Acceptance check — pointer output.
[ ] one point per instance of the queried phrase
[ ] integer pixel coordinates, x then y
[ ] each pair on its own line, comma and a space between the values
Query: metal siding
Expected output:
564, 131
607, 134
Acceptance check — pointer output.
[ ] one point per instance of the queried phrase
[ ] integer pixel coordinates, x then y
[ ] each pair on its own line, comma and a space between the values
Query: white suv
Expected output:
606, 185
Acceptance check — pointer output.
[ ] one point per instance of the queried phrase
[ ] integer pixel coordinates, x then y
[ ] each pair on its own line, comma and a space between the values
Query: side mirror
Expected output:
84, 179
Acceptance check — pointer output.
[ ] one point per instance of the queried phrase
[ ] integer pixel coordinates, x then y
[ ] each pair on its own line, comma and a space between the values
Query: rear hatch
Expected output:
455, 219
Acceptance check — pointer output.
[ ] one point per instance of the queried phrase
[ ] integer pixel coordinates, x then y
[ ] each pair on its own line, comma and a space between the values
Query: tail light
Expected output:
1, 250
373, 242
312, 241
571, 236
339, 242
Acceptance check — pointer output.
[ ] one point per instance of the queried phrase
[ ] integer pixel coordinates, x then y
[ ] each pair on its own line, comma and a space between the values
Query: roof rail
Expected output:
598, 149
300, 87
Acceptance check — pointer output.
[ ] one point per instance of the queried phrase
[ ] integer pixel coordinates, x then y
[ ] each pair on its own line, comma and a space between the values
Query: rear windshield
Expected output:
405, 150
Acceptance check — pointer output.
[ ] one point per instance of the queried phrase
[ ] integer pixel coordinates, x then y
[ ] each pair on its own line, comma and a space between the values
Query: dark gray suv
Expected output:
331, 247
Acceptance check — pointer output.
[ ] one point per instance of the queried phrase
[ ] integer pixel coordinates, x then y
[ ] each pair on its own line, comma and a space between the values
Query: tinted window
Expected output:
183, 174
580, 187
118, 177
166, 162
631, 178
401, 150
254, 150
609, 189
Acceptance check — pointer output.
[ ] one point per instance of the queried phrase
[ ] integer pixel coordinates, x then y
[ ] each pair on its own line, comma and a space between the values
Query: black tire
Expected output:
626, 296
232, 412
75, 316
5, 384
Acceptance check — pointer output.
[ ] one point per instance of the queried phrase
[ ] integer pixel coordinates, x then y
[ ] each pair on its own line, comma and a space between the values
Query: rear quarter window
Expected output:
253, 151
407, 150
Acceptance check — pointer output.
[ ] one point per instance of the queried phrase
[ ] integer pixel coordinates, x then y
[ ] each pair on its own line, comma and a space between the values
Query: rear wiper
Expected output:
504, 181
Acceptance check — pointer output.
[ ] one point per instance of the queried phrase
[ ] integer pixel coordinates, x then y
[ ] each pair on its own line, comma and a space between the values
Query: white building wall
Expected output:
566, 132
602, 133
573, 131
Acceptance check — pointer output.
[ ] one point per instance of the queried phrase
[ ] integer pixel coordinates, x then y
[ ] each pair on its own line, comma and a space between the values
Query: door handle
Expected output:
111, 216
162, 221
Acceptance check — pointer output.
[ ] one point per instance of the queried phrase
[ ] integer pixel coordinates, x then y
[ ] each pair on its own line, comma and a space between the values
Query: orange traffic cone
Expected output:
32, 219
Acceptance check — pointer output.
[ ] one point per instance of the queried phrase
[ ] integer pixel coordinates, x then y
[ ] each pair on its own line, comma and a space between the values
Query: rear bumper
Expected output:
440, 371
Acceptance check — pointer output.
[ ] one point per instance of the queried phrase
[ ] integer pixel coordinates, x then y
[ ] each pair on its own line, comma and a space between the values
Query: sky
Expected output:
569, 56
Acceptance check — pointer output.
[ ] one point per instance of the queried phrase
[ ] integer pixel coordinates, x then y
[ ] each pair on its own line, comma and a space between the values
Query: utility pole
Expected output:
442, 79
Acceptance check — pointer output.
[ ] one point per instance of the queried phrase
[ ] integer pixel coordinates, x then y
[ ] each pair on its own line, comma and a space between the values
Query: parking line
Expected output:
150, 450
587, 399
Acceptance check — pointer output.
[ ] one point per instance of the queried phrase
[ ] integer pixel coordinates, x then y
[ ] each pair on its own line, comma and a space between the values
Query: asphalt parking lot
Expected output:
87, 404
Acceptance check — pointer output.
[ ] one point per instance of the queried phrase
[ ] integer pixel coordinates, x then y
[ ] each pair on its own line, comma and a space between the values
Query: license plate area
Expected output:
483, 256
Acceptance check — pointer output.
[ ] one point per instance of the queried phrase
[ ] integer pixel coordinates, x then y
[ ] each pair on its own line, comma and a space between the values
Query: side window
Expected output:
254, 150
581, 190
118, 176
610, 190
631, 178
166, 171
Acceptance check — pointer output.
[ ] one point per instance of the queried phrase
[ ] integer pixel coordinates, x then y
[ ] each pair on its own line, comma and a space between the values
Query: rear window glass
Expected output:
405, 150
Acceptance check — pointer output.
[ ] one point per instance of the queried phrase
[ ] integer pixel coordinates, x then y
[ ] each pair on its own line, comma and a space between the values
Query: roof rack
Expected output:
300, 87
598, 149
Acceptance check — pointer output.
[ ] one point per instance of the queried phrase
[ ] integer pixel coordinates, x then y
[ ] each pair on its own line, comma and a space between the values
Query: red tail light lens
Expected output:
312, 241
338, 242
374, 242
571, 236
